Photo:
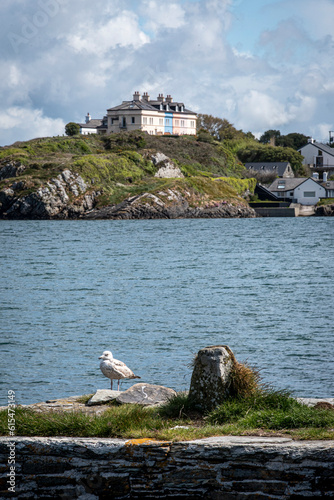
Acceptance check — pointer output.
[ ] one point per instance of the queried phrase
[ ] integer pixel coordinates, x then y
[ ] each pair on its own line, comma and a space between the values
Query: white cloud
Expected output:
120, 31
24, 120
162, 15
91, 56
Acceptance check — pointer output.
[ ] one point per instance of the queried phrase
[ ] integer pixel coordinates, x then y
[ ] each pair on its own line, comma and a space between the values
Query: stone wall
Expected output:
214, 468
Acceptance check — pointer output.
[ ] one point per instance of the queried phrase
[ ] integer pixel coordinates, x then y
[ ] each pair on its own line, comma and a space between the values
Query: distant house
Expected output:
93, 126
162, 116
318, 157
329, 186
303, 190
281, 169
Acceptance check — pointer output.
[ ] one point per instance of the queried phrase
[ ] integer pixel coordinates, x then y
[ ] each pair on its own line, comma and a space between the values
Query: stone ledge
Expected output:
217, 468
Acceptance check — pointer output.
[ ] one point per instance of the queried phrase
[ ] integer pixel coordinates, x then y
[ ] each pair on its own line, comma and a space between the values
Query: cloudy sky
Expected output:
261, 64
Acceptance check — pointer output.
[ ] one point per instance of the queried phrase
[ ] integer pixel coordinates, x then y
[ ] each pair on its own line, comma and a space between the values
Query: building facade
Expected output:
305, 191
156, 117
318, 157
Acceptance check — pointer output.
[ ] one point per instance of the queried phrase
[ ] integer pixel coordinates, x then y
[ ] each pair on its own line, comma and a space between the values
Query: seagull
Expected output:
114, 369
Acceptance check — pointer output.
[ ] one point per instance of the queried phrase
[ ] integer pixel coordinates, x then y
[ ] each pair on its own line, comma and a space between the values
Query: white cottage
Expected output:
303, 190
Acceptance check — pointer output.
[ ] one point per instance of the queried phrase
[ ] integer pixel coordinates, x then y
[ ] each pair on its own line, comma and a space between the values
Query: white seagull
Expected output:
114, 369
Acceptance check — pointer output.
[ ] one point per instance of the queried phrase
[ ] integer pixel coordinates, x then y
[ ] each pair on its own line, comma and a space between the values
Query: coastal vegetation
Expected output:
265, 414
119, 166
252, 408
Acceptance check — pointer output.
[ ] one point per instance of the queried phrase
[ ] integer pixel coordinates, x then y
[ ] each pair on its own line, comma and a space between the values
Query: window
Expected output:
161, 121
309, 194
145, 120
151, 120
133, 120
281, 185
192, 124
182, 123
177, 123
167, 121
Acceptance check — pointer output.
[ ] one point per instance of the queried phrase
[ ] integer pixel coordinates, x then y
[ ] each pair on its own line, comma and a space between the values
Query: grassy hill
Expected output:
120, 166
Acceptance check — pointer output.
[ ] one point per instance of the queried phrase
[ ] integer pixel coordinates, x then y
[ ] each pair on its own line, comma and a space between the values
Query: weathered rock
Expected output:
50, 201
211, 378
11, 169
169, 204
325, 210
103, 396
145, 394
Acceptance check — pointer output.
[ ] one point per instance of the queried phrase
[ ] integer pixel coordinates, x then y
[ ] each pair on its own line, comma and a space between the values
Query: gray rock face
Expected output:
211, 377
167, 169
103, 396
325, 211
11, 169
145, 394
50, 201
169, 204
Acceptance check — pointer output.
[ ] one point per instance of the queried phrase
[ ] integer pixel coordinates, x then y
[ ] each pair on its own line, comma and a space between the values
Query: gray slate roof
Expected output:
322, 147
93, 123
148, 106
290, 184
277, 167
328, 185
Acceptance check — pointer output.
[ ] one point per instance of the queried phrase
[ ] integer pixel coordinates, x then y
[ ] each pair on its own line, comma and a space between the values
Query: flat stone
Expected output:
146, 395
314, 401
103, 396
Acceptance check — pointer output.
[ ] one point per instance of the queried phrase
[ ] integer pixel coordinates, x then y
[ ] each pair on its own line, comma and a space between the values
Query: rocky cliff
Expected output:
118, 178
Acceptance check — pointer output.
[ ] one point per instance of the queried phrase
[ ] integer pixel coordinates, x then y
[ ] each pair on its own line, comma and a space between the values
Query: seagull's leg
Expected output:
118, 385
111, 383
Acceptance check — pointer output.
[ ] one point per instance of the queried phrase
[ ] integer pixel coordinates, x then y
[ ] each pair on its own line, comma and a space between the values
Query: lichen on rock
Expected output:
212, 377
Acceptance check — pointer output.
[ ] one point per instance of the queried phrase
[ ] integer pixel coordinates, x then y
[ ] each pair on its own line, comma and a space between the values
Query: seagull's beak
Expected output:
100, 357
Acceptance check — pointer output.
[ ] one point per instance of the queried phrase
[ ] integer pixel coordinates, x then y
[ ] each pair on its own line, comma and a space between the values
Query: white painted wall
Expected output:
309, 186
311, 151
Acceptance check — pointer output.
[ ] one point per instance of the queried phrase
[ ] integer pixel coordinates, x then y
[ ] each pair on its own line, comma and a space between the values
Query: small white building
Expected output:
93, 126
303, 190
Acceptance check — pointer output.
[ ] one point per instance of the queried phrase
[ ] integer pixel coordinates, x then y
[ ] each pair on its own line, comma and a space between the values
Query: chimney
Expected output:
169, 98
324, 176
160, 98
88, 118
136, 96
310, 140
146, 97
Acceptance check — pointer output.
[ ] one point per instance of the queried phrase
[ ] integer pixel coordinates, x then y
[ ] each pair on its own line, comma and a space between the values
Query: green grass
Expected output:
263, 413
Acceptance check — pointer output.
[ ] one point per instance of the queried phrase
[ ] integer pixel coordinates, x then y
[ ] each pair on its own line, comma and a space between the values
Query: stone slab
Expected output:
103, 396
145, 394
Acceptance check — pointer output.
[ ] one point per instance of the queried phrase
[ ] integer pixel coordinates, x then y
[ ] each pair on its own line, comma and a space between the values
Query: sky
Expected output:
260, 64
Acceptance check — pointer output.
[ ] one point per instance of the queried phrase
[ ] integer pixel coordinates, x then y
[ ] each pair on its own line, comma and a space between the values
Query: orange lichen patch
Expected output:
138, 442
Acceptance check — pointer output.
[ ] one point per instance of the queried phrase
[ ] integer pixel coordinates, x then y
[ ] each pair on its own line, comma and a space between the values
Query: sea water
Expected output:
154, 292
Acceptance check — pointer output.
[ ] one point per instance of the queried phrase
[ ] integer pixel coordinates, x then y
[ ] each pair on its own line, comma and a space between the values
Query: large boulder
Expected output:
212, 376
146, 395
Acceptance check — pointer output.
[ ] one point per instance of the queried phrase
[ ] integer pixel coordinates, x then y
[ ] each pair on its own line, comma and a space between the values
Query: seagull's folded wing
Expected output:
121, 369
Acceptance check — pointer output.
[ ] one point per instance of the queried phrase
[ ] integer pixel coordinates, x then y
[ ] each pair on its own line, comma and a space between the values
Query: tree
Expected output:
72, 129
259, 152
220, 128
270, 137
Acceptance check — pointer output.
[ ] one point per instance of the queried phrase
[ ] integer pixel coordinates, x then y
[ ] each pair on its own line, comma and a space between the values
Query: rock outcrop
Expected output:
325, 211
167, 169
211, 378
169, 204
11, 169
62, 197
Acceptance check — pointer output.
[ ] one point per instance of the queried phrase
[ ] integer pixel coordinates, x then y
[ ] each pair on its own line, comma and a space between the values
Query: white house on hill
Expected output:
162, 116
305, 191
319, 157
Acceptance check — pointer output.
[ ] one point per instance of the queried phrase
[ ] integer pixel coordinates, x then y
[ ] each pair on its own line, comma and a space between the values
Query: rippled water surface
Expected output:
155, 292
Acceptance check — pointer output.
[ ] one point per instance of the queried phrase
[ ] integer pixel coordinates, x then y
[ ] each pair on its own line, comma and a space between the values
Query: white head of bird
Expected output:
106, 355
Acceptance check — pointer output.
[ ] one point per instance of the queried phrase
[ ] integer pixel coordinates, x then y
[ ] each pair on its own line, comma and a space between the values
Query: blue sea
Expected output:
154, 292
